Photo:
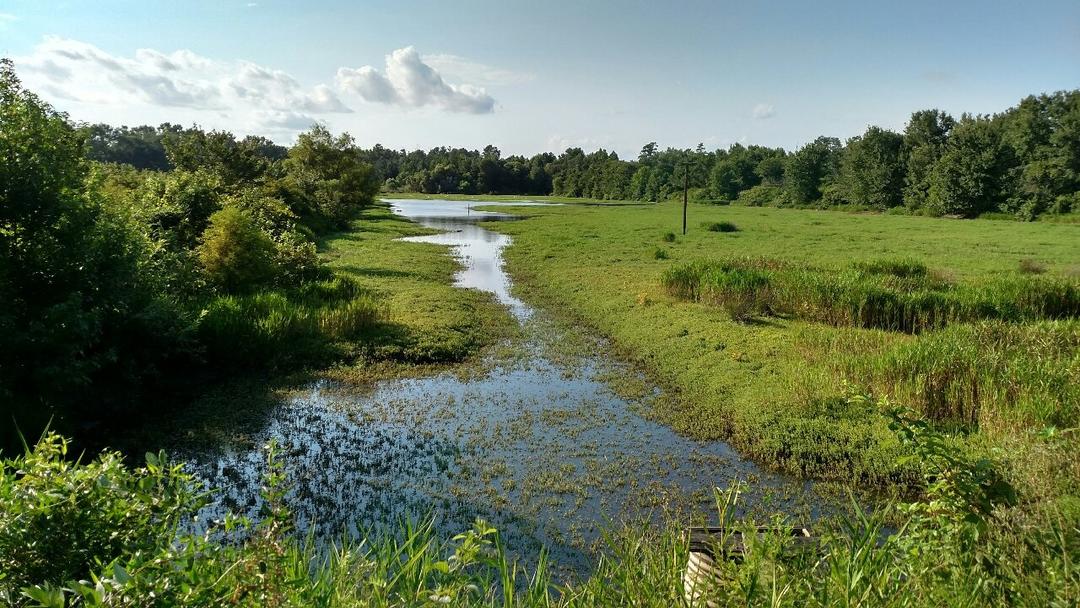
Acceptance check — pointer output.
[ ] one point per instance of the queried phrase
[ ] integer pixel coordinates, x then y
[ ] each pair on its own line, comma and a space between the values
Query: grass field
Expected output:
775, 387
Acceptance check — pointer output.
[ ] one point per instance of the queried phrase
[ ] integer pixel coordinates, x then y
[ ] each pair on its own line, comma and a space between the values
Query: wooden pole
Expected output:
685, 187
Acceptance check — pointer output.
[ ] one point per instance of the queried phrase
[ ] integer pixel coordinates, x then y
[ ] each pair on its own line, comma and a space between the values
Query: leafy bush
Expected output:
660, 253
669, 237
62, 518
236, 254
762, 195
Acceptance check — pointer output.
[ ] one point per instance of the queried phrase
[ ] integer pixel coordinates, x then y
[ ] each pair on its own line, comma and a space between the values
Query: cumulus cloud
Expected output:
763, 110
410, 81
82, 72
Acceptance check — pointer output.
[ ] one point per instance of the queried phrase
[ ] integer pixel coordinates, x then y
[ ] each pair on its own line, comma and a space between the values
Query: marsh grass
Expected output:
989, 375
1029, 266
277, 327
893, 295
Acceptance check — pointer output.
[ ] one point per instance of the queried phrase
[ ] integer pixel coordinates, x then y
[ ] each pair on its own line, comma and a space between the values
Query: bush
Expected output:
720, 227
761, 195
236, 254
660, 253
669, 237
62, 518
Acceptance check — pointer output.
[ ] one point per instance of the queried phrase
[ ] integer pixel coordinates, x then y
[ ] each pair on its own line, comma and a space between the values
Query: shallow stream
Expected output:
549, 444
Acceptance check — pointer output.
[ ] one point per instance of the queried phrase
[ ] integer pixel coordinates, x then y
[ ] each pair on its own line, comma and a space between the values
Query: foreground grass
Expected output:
773, 386
102, 534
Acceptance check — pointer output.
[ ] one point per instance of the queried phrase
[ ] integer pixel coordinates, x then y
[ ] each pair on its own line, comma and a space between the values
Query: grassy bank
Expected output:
423, 323
429, 321
775, 385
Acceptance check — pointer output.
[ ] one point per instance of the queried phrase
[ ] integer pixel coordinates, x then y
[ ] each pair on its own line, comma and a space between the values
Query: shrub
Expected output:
62, 518
720, 227
660, 253
236, 254
1028, 266
761, 195
669, 237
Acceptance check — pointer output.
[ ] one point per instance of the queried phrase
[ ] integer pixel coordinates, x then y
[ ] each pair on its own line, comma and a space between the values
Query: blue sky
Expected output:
540, 76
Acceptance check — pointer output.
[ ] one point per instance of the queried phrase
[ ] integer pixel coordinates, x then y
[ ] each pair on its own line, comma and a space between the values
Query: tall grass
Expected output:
894, 295
990, 375
283, 326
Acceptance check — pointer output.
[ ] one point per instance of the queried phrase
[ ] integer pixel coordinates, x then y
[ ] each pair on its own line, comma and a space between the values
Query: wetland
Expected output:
551, 441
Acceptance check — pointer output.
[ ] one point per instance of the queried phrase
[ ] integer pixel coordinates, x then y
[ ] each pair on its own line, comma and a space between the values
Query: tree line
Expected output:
1024, 161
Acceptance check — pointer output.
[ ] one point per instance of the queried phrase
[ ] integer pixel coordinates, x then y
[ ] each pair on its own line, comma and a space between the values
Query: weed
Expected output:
720, 227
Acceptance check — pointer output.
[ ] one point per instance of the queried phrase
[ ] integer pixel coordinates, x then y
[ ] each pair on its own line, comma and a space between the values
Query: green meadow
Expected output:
775, 383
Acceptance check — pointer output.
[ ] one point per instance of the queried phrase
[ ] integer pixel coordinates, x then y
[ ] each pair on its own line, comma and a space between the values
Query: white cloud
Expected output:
246, 91
763, 111
7, 18
459, 68
410, 81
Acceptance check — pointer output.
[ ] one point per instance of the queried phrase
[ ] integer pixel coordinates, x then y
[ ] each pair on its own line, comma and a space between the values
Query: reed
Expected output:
989, 375
893, 295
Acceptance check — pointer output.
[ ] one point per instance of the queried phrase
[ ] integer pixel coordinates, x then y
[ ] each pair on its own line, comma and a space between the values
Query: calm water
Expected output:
541, 444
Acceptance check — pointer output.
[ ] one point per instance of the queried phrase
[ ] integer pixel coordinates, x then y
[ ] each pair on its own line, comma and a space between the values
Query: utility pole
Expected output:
685, 189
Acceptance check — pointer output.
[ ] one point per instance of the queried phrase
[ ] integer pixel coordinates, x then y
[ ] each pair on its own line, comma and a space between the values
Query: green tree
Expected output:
872, 169
925, 137
327, 182
810, 168
77, 304
219, 153
969, 178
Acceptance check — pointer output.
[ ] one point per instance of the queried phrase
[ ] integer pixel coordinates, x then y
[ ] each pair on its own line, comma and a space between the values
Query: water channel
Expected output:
550, 447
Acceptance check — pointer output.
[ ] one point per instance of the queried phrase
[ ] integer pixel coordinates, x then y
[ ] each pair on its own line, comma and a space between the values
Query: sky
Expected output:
534, 76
